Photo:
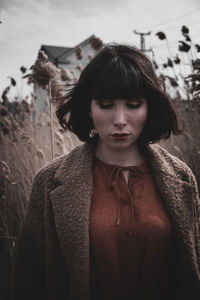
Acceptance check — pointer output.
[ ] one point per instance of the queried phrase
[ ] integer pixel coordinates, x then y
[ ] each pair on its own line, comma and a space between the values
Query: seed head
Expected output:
65, 74
96, 43
80, 68
90, 57
42, 71
23, 69
161, 35
195, 80
13, 81
187, 38
78, 51
170, 63
155, 64
197, 47
185, 30
172, 81
184, 47
40, 154
196, 64
177, 60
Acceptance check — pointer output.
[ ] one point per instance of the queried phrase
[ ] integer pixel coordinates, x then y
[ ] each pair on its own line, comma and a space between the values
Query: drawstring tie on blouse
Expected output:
113, 182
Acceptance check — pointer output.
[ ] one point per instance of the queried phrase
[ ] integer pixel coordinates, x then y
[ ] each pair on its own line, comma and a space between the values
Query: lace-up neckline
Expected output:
113, 182
116, 170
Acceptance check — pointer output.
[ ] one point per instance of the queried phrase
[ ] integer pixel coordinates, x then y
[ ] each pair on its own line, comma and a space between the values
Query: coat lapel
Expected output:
177, 197
71, 204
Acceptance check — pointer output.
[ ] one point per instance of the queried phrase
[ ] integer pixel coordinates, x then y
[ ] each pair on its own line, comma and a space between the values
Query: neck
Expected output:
131, 156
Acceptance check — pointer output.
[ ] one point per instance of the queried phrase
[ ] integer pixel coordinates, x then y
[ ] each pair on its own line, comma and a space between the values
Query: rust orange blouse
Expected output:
130, 235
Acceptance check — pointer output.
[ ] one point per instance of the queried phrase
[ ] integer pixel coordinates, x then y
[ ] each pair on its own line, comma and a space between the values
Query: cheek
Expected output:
140, 117
98, 117
143, 117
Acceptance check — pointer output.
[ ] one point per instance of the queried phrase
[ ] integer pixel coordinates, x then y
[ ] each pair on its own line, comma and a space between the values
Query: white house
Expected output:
73, 59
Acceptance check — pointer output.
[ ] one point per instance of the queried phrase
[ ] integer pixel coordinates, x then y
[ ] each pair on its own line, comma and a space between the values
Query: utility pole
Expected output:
142, 41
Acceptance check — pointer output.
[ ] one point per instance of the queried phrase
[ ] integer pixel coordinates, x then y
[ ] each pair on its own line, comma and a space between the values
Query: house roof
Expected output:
55, 53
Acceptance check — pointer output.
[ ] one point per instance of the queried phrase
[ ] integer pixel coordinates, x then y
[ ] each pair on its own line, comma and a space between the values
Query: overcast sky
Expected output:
27, 24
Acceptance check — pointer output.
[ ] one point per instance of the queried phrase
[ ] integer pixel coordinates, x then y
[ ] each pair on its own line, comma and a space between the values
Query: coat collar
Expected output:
71, 206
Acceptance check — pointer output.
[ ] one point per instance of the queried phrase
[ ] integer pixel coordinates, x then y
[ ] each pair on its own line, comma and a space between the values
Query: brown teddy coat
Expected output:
52, 258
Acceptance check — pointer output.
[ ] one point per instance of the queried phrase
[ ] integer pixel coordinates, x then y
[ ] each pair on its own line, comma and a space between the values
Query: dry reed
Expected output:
25, 140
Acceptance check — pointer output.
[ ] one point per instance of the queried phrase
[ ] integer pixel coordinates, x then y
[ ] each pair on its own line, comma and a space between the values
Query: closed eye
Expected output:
105, 106
133, 106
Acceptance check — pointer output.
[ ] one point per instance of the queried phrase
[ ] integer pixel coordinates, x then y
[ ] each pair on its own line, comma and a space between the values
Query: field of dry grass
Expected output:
26, 145
186, 146
25, 148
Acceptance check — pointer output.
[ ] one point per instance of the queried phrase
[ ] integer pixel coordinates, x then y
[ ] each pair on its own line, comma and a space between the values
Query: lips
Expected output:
120, 134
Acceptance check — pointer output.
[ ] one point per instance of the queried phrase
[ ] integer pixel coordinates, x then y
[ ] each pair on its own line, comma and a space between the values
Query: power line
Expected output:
171, 20
167, 29
176, 26
174, 42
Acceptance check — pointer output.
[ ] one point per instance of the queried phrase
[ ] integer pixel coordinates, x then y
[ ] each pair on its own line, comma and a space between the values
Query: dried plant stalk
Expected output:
51, 122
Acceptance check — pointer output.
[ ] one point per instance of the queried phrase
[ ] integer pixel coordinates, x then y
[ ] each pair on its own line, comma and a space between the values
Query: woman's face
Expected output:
119, 122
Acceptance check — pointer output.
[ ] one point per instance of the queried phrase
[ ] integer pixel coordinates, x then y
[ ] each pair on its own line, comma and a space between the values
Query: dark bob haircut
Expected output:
118, 72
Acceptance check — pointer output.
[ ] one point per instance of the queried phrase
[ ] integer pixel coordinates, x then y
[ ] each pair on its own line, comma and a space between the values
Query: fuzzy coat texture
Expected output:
52, 259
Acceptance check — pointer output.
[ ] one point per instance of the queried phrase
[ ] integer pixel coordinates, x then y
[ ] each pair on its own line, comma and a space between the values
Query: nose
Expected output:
119, 120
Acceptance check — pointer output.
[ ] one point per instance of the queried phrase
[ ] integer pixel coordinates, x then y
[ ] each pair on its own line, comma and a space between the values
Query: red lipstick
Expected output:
120, 136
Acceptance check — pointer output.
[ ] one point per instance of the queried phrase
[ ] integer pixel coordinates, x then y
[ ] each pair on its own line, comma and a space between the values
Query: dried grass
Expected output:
25, 148
187, 145
26, 142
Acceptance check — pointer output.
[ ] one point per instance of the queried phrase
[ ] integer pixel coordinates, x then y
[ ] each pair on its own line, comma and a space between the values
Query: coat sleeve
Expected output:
29, 279
196, 205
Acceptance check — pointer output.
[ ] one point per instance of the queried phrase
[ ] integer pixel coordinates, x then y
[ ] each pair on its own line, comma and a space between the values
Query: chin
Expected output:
122, 145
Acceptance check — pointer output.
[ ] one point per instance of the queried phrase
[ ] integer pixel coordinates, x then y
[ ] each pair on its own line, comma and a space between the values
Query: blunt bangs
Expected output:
119, 80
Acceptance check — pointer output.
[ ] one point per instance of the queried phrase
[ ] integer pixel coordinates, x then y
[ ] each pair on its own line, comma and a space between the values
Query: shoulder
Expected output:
168, 157
50, 167
67, 161
170, 163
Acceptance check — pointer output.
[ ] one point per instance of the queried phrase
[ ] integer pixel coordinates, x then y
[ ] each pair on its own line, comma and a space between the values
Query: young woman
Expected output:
118, 217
